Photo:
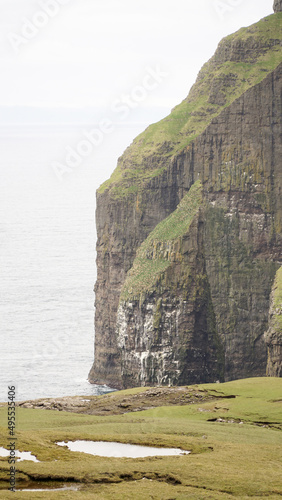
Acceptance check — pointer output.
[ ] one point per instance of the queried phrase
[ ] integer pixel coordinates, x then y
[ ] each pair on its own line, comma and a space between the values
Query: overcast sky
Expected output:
76, 53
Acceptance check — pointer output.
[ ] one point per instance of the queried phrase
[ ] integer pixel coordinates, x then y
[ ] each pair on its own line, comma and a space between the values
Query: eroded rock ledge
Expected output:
116, 404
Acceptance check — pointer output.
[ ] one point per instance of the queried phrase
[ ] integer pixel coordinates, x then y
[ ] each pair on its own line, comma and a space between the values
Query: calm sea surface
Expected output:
47, 261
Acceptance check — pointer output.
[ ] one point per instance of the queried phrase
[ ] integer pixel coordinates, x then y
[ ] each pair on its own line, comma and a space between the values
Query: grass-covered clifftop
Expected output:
241, 61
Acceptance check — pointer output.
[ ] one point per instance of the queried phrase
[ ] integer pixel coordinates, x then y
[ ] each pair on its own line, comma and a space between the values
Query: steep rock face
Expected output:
166, 327
240, 158
273, 336
237, 253
122, 225
240, 281
277, 6
213, 297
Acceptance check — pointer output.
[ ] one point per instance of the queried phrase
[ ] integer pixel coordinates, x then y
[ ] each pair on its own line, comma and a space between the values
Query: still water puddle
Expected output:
20, 455
120, 450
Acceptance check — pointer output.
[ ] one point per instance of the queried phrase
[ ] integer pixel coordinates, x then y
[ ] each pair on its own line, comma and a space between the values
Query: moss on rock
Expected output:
162, 246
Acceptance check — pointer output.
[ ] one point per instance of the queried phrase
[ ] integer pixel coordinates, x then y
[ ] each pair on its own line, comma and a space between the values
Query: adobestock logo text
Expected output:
224, 7
121, 109
31, 27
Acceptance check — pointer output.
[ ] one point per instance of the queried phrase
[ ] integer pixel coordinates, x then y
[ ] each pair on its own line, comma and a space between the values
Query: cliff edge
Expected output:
189, 230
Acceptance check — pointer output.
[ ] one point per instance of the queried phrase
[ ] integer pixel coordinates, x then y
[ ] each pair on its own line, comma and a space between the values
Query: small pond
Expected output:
120, 450
20, 455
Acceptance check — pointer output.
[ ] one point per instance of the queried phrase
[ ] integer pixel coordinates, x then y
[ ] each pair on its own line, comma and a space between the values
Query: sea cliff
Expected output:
189, 230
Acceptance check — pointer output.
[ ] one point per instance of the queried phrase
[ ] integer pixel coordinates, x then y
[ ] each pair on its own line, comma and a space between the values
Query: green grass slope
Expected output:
236, 446
241, 61
152, 257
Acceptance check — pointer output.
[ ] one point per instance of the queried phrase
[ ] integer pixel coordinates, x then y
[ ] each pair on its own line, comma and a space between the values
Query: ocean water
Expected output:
47, 260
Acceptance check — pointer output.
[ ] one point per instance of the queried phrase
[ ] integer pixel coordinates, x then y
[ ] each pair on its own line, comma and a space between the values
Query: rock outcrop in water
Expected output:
189, 230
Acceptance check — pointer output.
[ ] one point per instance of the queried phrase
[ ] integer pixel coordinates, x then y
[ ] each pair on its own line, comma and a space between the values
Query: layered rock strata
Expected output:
189, 241
277, 6
273, 336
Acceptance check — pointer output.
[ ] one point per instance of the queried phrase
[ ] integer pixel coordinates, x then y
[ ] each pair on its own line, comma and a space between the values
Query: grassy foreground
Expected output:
236, 446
